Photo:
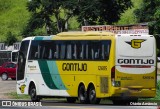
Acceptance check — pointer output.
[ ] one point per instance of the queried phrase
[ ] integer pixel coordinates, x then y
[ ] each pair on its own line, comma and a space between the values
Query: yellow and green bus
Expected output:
88, 66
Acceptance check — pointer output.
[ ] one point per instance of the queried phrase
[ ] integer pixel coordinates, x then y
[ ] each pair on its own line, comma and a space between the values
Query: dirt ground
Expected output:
7, 87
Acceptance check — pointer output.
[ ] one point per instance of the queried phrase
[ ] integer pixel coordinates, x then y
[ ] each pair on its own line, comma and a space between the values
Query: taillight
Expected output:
136, 66
113, 72
113, 75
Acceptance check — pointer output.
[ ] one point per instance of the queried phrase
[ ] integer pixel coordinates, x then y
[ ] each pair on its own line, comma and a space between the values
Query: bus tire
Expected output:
82, 94
4, 76
92, 96
33, 94
71, 99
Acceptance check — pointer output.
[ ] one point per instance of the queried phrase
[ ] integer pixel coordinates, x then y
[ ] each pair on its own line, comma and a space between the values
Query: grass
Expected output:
157, 97
14, 95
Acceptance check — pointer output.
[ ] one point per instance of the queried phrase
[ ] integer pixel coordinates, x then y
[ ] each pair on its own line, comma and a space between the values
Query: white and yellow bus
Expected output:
88, 66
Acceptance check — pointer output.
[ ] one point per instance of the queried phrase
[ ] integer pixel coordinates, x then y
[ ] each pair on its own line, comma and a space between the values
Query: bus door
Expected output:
21, 67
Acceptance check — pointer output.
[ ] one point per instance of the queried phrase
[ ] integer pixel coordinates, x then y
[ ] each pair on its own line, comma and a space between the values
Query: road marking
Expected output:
74, 107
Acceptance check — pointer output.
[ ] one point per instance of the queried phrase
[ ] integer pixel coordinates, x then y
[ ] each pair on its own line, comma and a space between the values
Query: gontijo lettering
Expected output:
74, 67
135, 61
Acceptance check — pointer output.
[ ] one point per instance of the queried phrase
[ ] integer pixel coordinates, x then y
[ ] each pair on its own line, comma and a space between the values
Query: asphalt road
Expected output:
84, 107
7, 87
63, 105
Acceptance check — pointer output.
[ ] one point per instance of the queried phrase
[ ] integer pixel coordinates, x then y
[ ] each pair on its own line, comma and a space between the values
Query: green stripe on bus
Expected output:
55, 75
43, 37
46, 74
38, 38
47, 38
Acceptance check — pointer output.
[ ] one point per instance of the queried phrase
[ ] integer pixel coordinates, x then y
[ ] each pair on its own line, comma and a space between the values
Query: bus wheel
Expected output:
4, 76
82, 94
92, 96
33, 94
71, 100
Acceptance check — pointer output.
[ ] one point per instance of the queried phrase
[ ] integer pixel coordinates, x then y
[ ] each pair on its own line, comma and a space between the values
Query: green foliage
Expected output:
157, 97
99, 12
34, 23
5, 5
150, 12
128, 17
11, 38
86, 12
14, 15
13, 18
42, 13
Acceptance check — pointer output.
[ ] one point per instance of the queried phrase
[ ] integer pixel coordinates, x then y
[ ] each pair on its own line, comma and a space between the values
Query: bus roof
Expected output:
90, 33
27, 38
79, 34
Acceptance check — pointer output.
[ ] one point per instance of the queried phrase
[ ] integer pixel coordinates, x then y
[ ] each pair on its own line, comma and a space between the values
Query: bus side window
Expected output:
56, 53
52, 51
63, 49
82, 52
92, 53
47, 52
43, 51
86, 51
38, 52
102, 52
97, 54
78, 50
36, 55
105, 49
69, 51
107, 52
50, 54
74, 51
33, 54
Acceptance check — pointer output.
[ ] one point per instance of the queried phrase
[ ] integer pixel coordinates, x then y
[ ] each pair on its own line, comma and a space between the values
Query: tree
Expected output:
11, 38
55, 14
150, 12
44, 12
100, 11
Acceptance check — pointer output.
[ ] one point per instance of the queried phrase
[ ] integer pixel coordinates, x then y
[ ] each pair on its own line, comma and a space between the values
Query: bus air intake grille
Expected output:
104, 84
